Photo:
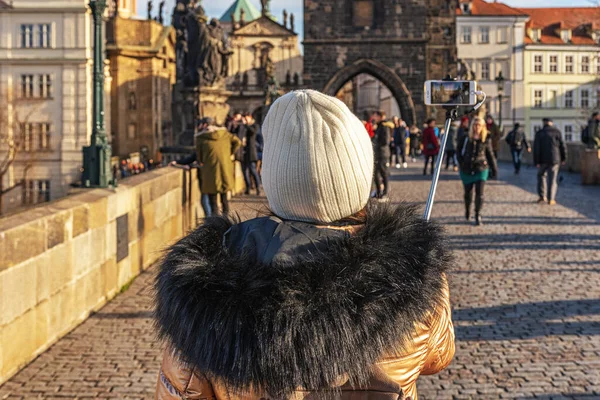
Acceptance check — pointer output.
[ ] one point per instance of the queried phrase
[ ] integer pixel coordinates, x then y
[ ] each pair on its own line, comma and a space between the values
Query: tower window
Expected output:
363, 13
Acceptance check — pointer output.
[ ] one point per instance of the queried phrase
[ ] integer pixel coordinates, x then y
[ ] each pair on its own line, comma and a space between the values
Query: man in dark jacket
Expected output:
591, 133
250, 157
549, 153
381, 145
517, 141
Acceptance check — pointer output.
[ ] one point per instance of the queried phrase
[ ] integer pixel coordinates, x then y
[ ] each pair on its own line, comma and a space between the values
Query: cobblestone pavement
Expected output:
525, 294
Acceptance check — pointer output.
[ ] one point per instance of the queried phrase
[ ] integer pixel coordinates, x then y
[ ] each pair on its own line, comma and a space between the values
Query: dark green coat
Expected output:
215, 147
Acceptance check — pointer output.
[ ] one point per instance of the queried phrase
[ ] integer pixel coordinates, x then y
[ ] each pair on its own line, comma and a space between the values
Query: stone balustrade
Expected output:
66, 259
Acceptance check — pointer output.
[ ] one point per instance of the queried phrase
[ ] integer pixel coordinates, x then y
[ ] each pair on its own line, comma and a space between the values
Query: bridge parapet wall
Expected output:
66, 259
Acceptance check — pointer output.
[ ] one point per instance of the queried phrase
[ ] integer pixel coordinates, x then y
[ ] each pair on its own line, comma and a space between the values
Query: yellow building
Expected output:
561, 68
255, 38
142, 62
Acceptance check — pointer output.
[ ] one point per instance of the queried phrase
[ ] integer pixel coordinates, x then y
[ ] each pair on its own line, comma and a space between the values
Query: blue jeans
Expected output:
516, 156
249, 169
205, 202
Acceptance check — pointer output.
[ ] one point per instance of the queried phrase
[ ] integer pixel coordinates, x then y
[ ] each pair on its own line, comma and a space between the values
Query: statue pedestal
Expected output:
213, 103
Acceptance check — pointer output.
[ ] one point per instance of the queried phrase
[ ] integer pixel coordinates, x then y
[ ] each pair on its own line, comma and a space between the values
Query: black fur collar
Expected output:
306, 324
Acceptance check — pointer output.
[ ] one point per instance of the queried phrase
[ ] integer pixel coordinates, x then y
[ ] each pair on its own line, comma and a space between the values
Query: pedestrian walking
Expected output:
192, 161
590, 135
383, 135
250, 158
215, 148
328, 296
477, 164
431, 145
415, 142
549, 152
495, 133
260, 143
400, 137
236, 127
463, 129
517, 141
368, 123
451, 146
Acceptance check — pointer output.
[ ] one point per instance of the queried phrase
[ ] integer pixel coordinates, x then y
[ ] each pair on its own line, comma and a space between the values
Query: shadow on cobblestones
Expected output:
525, 242
559, 396
528, 320
134, 315
526, 220
527, 270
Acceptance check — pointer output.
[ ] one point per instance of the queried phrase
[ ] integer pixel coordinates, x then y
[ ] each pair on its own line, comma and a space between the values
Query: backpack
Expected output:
585, 134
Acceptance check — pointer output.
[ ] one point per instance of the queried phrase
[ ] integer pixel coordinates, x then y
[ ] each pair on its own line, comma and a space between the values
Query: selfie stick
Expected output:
451, 115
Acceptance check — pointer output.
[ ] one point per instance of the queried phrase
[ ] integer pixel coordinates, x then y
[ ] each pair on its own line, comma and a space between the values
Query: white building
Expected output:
490, 39
562, 68
45, 94
549, 57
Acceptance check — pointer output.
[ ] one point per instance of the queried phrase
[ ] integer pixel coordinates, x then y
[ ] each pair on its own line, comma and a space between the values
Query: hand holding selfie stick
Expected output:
451, 115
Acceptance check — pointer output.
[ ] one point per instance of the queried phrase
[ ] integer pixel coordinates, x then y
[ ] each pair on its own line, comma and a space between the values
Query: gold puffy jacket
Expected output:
430, 352
322, 301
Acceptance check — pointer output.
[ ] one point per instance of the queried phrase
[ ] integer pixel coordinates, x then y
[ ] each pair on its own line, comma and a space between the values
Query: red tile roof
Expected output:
552, 20
483, 8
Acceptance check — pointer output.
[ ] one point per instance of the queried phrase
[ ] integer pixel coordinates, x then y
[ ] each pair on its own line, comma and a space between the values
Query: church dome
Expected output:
250, 11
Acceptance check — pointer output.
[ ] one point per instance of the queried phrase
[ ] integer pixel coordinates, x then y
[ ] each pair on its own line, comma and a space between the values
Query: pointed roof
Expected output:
251, 12
551, 19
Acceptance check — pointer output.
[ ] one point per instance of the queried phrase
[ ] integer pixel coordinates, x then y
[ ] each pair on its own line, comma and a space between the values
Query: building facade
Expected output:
548, 56
562, 68
402, 43
256, 43
142, 62
490, 40
45, 95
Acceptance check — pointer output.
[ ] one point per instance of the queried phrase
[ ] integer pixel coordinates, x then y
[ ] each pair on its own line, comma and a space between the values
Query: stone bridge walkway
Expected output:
525, 294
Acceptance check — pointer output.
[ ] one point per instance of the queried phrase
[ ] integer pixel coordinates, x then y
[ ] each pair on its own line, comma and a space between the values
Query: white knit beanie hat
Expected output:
317, 159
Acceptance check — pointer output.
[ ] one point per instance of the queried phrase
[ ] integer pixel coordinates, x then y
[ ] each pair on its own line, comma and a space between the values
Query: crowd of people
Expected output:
472, 150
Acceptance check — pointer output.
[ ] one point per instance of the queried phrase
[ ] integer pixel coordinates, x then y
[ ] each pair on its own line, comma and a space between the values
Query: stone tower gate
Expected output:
402, 43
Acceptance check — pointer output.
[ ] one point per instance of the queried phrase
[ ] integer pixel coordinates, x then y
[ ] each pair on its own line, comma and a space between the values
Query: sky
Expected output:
216, 8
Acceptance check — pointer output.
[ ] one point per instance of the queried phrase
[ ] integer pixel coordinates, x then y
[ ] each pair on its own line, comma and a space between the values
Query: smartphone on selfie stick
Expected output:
449, 94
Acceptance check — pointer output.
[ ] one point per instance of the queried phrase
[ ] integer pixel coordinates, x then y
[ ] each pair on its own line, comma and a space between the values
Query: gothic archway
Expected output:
384, 74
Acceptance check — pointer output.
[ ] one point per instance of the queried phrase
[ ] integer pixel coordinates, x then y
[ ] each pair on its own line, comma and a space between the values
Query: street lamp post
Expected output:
500, 82
96, 156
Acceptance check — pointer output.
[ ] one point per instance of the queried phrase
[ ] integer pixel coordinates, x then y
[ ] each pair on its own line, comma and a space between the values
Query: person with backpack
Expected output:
590, 135
383, 135
415, 142
549, 152
517, 141
329, 295
431, 145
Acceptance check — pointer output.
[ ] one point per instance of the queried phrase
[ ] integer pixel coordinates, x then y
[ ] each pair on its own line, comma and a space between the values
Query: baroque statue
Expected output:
202, 48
